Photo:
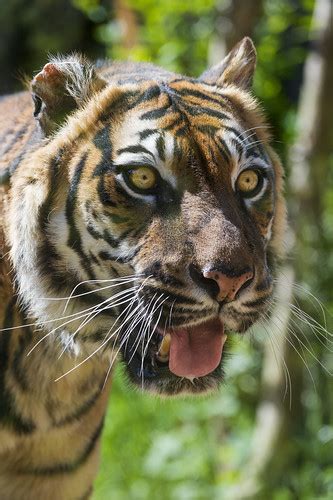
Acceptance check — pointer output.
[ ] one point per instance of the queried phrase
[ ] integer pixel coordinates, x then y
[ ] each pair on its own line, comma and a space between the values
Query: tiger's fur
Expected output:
67, 222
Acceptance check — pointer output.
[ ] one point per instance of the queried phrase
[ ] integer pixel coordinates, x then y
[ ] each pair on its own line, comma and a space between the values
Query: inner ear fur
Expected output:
236, 68
63, 85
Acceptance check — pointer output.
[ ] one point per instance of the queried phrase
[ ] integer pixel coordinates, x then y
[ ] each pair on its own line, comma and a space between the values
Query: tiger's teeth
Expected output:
163, 352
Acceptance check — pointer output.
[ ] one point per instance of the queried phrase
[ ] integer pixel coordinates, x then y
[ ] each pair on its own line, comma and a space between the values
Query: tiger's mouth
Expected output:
185, 359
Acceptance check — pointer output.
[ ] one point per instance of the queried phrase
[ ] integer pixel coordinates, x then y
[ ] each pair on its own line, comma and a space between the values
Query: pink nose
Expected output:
228, 286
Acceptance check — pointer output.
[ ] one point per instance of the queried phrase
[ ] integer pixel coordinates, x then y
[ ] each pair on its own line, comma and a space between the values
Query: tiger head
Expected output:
153, 210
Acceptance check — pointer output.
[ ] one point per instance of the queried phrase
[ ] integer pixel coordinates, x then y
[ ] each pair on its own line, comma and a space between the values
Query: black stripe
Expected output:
16, 365
93, 232
173, 124
135, 149
238, 135
200, 110
155, 113
45, 209
152, 93
128, 258
239, 146
74, 239
200, 95
168, 280
223, 152
102, 141
104, 194
147, 133
208, 129
93, 258
183, 311
241, 316
150, 291
104, 255
107, 236
8, 414
124, 101
47, 265
253, 152
257, 302
225, 146
184, 80
68, 467
156, 272
181, 132
160, 146
83, 409
113, 242
116, 218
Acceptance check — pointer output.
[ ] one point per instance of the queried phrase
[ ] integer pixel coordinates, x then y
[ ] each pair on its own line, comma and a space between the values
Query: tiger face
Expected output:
157, 207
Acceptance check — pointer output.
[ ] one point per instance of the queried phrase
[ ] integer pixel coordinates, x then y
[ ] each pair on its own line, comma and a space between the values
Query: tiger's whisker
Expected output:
90, 355
297, 351
96, 290
286, 372
88, 319
121, 282
69, 321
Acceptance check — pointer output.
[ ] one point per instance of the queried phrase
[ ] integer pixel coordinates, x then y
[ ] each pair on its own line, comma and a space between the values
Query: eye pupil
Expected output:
142, 178
249, 183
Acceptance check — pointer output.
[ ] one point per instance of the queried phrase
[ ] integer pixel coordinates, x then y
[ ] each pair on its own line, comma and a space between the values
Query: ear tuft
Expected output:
63, 85
237, 68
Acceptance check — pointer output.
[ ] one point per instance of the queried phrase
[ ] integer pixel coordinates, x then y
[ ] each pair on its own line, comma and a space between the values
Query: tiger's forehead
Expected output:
181, 122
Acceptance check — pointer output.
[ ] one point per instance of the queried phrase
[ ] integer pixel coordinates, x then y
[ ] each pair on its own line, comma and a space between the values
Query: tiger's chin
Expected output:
179, 361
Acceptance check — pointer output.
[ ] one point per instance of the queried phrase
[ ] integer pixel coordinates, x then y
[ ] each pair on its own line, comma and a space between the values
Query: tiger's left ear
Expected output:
63, 85
237, 67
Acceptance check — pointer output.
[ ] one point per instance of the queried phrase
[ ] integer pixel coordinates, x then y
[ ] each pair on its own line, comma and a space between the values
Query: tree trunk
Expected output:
127, 20
239, 19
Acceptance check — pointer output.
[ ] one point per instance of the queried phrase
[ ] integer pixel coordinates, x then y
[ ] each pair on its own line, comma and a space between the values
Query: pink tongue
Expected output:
196, 351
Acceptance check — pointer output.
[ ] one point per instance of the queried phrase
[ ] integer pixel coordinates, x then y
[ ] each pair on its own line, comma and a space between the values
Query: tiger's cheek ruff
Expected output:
42, 217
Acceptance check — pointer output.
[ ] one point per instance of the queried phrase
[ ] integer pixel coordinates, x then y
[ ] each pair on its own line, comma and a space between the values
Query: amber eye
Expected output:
249, 183
143, 178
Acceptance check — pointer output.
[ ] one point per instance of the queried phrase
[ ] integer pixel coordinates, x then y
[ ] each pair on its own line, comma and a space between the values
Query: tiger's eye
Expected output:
248, 181
143, 178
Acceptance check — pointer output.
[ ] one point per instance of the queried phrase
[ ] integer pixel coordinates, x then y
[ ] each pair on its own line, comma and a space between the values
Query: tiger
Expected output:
142, 222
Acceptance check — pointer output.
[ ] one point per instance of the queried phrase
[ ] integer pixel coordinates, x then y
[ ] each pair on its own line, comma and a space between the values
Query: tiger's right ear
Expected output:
237, 68
63, 85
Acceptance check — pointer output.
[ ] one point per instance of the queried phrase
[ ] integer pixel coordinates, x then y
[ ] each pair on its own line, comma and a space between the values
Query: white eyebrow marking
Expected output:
129, 135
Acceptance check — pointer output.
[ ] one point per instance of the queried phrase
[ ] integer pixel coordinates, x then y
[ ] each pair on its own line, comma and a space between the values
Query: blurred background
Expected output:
268, 433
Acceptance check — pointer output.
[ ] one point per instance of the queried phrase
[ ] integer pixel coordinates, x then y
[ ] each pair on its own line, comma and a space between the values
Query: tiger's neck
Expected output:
49, 431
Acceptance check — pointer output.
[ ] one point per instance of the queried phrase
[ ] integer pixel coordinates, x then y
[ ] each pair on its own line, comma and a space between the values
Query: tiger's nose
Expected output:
228, 285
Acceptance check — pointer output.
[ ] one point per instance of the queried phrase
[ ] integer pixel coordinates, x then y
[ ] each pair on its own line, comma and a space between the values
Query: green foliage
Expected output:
172, 34
282, 38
